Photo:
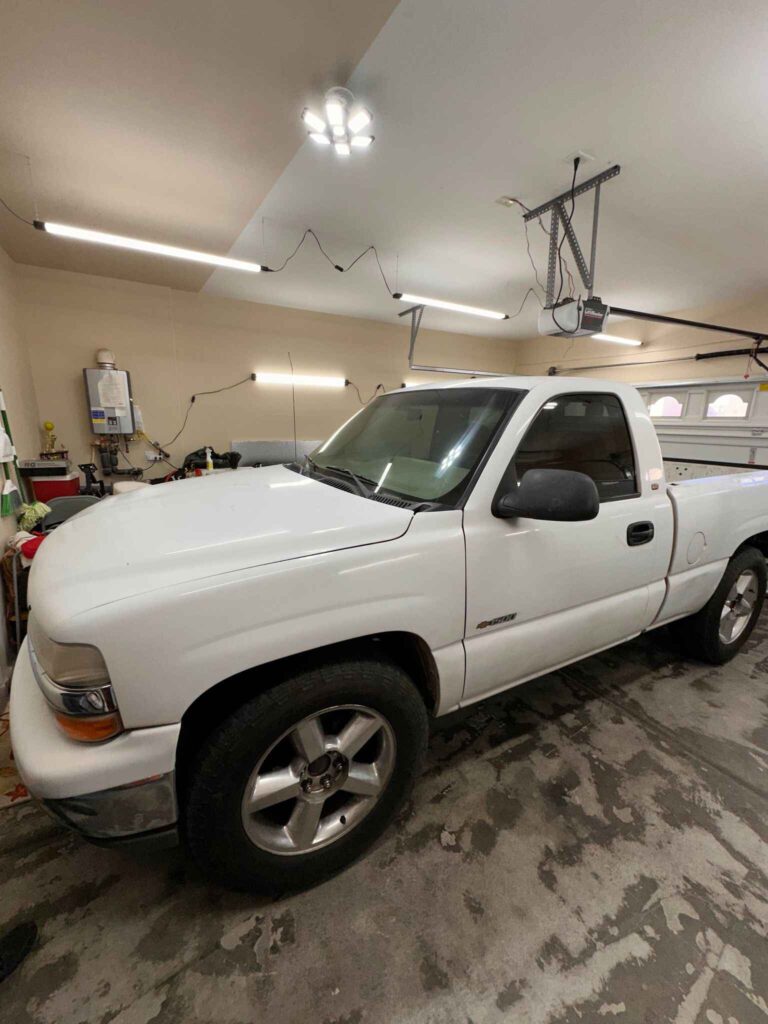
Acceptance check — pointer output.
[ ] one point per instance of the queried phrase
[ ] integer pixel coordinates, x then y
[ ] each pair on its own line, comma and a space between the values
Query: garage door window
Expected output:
726, 405
585, 433
666, 406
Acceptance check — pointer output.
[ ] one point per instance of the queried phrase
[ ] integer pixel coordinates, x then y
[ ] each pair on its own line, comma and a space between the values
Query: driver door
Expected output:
542, 593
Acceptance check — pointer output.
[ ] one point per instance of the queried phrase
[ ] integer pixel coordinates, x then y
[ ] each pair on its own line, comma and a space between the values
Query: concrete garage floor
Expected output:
592, 846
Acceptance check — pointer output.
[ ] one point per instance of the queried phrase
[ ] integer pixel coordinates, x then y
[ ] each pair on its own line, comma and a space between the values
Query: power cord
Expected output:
16, 215
379, 387
198, 394
531, 291
310, 233
527, 209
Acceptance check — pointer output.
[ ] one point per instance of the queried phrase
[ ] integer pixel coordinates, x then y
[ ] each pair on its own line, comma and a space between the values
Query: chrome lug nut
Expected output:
326, 782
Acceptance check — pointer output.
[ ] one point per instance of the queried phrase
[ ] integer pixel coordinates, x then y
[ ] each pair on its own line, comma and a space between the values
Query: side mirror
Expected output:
556, 494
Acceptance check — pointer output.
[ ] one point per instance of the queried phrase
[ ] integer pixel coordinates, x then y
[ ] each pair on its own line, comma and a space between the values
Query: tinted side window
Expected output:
585, 433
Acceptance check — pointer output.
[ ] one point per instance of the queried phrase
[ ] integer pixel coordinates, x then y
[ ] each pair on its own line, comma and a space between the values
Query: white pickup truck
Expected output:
250, 660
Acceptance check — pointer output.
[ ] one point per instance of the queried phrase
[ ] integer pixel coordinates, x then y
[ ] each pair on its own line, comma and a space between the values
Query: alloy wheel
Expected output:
318, 780
738, 607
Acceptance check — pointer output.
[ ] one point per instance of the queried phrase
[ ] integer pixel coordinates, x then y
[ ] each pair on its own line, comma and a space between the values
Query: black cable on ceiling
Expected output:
16, 215
310, 233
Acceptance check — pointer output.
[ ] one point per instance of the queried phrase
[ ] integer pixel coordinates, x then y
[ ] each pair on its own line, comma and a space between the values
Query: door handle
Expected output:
640, 533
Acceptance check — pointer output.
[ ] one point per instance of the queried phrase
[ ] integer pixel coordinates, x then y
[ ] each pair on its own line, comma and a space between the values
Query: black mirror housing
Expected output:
559, 495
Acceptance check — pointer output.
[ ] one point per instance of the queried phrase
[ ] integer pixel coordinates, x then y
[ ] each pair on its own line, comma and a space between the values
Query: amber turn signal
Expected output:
90, 729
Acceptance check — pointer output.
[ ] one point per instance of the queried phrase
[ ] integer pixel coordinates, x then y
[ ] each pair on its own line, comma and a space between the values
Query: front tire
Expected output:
302, 779
722, 627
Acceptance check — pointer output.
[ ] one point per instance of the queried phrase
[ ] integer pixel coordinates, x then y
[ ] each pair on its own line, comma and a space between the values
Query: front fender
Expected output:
166, 649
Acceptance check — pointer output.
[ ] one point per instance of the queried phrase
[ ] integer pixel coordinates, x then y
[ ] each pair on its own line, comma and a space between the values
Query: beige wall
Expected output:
16, 383
660, 342
15, 372
175, 343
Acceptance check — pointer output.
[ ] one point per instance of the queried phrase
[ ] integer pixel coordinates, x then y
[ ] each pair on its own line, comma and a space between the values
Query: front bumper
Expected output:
117, 790
142, 810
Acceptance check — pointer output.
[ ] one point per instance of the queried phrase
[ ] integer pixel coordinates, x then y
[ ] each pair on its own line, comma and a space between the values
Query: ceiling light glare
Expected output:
320, 138
301, 380
361, 141
359, 120
139, 245
454, 307
339, 131
312, 121
342, 148
617, 340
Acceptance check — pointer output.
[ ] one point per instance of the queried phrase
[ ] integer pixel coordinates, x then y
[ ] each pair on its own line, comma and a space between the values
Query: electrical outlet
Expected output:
153, 456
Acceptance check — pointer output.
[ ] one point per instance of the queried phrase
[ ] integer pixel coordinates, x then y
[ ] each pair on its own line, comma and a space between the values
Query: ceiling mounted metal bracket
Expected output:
559, 215
416, 313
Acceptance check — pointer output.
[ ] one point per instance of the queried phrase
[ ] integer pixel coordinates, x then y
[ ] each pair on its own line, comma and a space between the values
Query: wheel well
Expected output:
407, 650
759, 541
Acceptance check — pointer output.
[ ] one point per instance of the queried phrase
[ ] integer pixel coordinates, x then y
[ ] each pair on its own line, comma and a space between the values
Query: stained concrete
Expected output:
590, 847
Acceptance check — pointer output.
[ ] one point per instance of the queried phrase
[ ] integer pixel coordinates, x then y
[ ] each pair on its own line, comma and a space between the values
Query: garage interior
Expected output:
589, 845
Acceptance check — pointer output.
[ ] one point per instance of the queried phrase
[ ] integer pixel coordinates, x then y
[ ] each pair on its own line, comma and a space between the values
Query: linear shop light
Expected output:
138, 245
301, 380
455, 307
616, 339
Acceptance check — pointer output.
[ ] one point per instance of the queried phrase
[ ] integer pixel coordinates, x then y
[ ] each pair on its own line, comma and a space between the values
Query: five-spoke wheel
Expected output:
298, 780
319, 779
738, 606
718, 632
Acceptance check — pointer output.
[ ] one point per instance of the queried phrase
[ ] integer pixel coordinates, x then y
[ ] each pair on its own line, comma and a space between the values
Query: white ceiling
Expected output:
475, 100
161, 119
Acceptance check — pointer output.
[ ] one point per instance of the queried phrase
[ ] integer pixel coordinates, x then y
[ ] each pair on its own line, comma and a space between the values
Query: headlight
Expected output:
67, 664
75, 682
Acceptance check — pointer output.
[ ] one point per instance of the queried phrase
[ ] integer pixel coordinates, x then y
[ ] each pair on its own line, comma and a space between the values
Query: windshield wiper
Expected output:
358, 481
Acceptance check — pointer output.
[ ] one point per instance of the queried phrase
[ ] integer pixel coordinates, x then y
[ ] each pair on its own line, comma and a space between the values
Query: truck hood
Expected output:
192, 529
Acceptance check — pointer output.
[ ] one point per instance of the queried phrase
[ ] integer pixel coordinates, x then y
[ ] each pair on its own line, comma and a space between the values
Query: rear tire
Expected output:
722, 627
339, 744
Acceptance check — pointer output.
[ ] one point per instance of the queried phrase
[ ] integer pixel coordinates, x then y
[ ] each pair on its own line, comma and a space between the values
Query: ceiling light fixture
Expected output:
138, 245
343, 121
312, 121
359, 120
455, 307
617, 340
301, 379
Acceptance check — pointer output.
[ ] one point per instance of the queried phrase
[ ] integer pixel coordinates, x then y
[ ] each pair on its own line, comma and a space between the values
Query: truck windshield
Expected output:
417, 445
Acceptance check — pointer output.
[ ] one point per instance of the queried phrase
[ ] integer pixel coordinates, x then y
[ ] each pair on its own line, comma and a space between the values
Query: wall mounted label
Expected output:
763, 387
113, 391
98, 417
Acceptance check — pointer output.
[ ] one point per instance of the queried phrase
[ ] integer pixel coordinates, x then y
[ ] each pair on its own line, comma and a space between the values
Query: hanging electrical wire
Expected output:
379, 387
310, 233
16, 215
198, 394
527, 209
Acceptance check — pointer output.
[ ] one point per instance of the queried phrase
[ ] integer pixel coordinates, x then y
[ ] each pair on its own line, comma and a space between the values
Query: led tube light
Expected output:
137, 244
301, 379
455, 307
616, 339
